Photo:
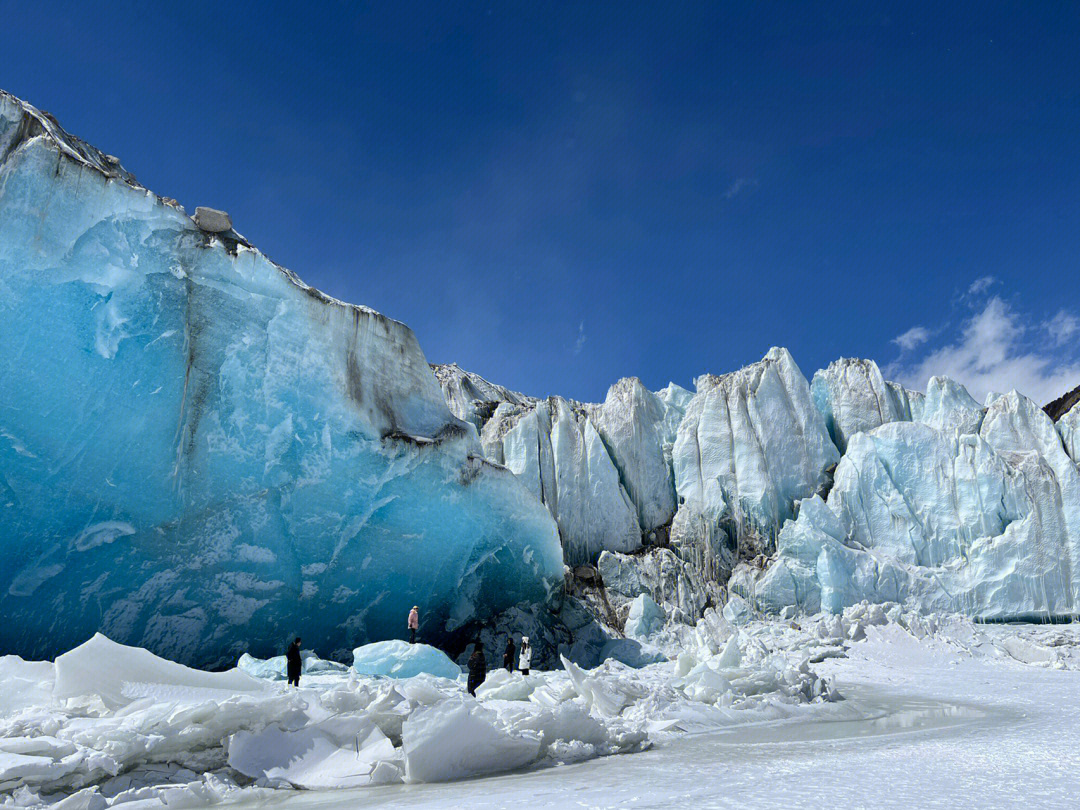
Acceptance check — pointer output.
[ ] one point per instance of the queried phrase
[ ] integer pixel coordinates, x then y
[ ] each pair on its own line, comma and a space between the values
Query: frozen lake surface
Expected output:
937, 727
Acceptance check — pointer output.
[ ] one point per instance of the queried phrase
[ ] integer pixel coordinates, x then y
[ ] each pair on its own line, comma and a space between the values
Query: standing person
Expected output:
477, 667
293, 662
526, 655
509, 654
414, 623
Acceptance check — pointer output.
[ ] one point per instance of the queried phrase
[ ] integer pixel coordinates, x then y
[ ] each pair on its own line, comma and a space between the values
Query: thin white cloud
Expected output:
739, 184
996, 350
981, 285
579, 344
915, 336
1062, 327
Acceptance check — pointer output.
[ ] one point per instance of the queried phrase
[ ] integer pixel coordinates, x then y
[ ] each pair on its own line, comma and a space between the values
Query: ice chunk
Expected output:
274, 669
459, 738
119, 675
342, 752
645, 617
400, 659
26, 683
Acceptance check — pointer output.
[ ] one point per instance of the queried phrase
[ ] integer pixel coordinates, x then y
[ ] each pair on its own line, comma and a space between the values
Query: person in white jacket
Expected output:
525, 658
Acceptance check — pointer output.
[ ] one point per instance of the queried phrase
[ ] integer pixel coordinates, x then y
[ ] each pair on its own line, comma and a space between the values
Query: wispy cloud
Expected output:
997, 348
913, 337
1062, 327
981, 285
579, 344
739, 184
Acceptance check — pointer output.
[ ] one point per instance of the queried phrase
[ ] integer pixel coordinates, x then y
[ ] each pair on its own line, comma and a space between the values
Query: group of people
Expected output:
477, 663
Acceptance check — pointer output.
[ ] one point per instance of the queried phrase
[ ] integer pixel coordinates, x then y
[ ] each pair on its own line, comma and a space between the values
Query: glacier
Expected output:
201, 455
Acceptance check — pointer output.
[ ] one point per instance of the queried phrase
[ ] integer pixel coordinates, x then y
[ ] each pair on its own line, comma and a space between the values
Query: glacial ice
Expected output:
453, 739
750, 446
201, 455
400, 659
853, 397
985, 524
949, 408
1069, 428
635, 426
644, 618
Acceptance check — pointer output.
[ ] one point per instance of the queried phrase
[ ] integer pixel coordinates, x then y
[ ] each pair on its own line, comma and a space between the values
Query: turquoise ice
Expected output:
201, 455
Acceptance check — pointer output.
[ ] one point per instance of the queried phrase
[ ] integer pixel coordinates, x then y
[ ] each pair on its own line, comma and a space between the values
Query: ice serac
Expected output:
199, 453
635, 425
472, 398
853, 397
948, 407
751, 445
554, 446
588, 486
1069, 428
987, 523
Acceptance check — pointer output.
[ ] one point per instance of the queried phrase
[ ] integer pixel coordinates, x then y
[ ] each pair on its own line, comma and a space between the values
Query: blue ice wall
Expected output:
201, 455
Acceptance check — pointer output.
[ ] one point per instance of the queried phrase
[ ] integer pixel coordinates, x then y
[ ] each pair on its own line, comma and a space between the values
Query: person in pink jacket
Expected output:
414, 623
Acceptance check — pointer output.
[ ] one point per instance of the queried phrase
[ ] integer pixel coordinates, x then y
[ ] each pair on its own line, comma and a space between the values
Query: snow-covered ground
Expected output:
863, 711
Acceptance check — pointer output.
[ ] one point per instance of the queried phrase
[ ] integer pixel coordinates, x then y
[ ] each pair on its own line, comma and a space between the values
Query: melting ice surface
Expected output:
201, 455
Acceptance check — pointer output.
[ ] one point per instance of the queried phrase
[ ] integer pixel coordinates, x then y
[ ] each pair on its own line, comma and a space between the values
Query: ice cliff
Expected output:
200, 454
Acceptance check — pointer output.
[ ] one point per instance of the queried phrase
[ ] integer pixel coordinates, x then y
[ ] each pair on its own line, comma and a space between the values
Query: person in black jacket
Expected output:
477, 667
509, 654
293, 662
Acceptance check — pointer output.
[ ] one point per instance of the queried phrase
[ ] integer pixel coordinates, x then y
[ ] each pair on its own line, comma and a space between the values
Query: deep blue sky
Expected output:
556, 195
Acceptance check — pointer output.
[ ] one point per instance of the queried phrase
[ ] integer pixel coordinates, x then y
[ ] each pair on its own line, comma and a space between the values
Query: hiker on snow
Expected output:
293, 662
526, 655
477, 667
509, 655
414, 623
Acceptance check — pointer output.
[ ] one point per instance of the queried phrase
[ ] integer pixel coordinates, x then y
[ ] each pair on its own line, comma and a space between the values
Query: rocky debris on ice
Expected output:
668, 580
212, 220
1063, 404
292, 453
470, 397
